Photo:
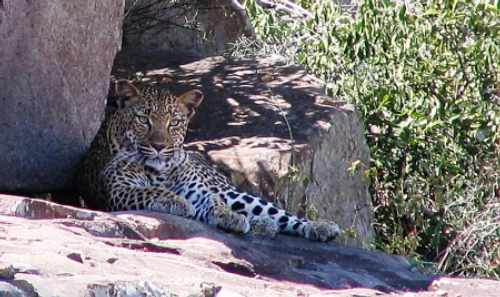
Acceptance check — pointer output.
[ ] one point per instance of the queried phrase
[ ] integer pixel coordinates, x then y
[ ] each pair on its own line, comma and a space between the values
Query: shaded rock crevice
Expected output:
196, 28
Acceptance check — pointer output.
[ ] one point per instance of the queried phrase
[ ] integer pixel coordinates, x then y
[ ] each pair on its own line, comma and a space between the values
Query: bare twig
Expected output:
285, 6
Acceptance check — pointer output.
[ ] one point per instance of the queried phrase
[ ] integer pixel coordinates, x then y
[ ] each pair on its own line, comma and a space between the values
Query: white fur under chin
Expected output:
161, 164
156, 164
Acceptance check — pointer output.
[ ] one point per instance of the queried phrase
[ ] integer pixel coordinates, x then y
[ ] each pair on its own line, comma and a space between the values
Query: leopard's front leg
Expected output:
221, 216
267, 218
127, 188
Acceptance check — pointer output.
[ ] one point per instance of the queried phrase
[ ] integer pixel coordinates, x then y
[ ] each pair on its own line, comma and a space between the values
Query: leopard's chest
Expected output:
190, 178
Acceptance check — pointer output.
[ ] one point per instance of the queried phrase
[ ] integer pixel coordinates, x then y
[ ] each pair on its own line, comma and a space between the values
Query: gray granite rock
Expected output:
55, 61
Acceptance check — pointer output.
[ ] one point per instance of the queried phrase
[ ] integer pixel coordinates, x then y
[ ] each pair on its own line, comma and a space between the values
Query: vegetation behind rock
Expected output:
425, 77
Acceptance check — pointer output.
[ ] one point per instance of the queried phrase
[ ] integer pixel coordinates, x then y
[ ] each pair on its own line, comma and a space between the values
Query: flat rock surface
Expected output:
64, 251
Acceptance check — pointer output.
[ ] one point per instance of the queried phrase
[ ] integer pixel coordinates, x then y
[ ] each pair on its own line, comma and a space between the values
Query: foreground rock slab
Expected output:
55, 61
269, 127
55, 250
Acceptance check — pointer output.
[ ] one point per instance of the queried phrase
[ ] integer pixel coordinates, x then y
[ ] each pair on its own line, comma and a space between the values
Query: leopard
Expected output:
138, 161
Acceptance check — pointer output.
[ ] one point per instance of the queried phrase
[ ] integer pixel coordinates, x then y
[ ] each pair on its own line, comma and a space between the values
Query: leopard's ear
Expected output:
123, 93
190, 100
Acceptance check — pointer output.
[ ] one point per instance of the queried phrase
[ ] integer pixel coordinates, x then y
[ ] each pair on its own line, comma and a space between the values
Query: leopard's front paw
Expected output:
173, 205
231, 221
264, 226
321, 230
183, 208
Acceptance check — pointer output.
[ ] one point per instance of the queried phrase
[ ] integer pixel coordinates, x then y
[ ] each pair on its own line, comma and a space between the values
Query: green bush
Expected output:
425, 78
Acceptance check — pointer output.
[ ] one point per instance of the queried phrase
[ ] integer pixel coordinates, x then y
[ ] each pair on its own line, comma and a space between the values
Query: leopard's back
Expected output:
87, 175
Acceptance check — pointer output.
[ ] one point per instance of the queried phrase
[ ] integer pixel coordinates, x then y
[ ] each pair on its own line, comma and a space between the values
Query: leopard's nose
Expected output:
158, 146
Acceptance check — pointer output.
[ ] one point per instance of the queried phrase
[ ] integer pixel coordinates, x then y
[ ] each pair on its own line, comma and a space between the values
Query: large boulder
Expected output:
270, 128
55, 61
194, 27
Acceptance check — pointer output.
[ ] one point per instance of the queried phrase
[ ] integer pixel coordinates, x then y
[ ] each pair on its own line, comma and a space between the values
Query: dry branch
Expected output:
285, 6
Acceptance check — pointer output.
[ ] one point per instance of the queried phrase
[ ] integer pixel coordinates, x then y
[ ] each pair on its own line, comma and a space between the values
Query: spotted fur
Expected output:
138, 162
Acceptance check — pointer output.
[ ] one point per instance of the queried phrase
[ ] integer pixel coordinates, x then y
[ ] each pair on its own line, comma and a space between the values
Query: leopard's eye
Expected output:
143, 120
174, 123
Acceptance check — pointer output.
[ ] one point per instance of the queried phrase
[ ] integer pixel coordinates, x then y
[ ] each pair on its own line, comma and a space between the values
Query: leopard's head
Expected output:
155, 121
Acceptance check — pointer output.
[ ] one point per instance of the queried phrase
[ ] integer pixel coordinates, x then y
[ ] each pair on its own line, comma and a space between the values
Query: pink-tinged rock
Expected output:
54, 250
68, 250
